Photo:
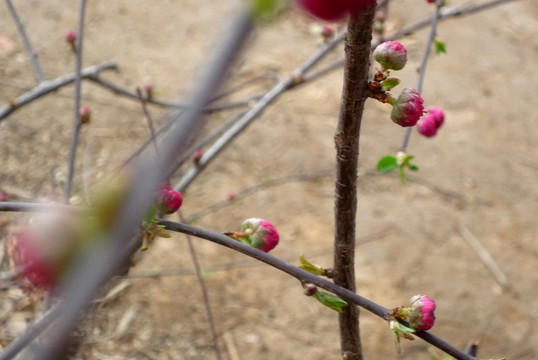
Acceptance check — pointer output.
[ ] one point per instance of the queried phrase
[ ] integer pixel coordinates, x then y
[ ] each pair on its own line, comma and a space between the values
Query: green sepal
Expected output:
311, 268
330, 300
387, 163
156, 230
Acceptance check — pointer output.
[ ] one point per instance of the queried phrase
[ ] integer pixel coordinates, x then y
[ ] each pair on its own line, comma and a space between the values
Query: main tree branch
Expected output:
357, 58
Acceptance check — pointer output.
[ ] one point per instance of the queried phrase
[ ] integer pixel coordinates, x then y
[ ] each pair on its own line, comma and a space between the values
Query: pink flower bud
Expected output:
334, 10
259, 233
71, 38
391, 55
85, 115
197, 155
408, 108
430, 123
148, 88
3, 196
28, 256
168, 201
421, 312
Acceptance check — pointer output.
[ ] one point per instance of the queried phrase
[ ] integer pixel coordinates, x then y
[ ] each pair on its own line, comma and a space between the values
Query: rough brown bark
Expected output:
354, 94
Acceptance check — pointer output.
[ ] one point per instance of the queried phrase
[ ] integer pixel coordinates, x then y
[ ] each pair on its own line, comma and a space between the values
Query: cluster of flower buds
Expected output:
258, 233
168, 200
430, 123
419, 313
334, 10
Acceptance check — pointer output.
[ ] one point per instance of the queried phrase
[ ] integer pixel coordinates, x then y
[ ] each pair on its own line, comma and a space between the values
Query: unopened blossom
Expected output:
85, 115
430, 123
421, 312
71, 38
408, 108
259, 233
391, 55
3, 196
29, 258
168, 200
334, 10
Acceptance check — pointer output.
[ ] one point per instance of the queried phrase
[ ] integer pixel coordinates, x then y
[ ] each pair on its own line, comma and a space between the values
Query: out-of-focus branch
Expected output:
27, 43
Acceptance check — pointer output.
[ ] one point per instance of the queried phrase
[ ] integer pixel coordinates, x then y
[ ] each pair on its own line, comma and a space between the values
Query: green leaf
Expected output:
387, 163
311, 268
263, 9
390, 83
440, 47
330, 300
401, 173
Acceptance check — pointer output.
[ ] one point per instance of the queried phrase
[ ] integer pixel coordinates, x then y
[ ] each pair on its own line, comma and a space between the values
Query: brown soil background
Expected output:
479, 173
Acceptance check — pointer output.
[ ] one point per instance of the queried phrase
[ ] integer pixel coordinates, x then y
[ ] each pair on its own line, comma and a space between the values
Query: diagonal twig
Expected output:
27, 43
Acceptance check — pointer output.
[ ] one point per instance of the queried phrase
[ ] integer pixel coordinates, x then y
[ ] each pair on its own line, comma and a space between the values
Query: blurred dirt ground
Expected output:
477, 181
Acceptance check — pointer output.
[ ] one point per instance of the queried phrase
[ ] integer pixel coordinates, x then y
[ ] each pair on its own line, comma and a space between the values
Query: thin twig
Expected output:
484, 256
27, 43
170, 104
205, 294
149, 121
48, 86
77, 123
422, 72
354, 94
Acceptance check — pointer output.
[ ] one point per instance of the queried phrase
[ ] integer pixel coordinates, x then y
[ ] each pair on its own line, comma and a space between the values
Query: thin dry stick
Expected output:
484, 256
77, 123
27, 43
354, 94
149, 121
48, 86
422, 73
205, 294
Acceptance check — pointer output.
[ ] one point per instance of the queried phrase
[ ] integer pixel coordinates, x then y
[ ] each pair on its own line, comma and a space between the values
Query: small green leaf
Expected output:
263, 9
440, 47
311, 268
330, 300
386, 164
390, 83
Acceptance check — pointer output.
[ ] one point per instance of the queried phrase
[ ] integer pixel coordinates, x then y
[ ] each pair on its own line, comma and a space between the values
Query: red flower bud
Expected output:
259, 233
71, 38
408, 108
334, 10
430, 123
391, 55
168, 201
421, 312
85, 115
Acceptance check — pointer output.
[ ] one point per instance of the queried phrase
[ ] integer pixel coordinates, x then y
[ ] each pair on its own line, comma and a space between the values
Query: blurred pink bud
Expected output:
334, 10
430, 123
197, 155
391, 55
231, 196
3, 196
421, 312
85, 115
168, 201
259, 233
148, 88
408, 108
71, 38
28, 256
